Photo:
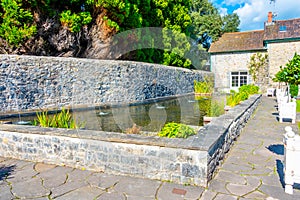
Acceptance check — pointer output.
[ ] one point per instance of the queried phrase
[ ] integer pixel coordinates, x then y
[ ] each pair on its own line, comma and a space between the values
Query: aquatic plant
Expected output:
62, 119
176, 130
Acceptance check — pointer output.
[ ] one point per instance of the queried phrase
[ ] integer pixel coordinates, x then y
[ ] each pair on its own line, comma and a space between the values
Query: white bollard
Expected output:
291, 158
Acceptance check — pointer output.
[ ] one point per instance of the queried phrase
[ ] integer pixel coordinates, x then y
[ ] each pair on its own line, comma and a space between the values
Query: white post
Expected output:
288, 175
291, 157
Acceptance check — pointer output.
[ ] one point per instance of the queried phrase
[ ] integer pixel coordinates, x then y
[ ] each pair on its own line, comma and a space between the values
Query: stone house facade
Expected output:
230, 55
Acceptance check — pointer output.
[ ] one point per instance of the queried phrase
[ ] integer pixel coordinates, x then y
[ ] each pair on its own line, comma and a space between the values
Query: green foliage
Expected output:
216, 109
291, 73
233, 99
182, 19
244, 91
231, 23
249, 89
258, 66
176, 130
280, 75
293, 90
206, 86
206, 18
298, 106
60, 120
75, 21
15, 25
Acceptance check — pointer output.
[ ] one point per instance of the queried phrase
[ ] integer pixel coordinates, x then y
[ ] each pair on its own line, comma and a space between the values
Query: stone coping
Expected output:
204, 140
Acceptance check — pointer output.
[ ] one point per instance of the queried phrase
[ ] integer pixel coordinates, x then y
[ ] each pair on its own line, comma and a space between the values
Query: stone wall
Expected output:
187, 161
225, 63
226, 129
280, 54
30, 82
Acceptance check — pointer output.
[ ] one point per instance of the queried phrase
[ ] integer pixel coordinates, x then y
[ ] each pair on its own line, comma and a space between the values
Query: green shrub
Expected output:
242, 96
294, 90
233, 99
75, 21
63, 119
244, 91
16, 22
249, 89
176, 130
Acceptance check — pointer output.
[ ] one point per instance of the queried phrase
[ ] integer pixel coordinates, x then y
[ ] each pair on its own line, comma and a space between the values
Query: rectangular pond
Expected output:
150, 116
186, 161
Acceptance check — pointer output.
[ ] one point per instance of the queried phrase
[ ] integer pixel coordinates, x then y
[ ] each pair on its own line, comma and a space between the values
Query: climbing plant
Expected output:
258, 67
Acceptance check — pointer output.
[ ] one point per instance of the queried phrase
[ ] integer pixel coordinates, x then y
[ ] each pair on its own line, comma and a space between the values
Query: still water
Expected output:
149, 117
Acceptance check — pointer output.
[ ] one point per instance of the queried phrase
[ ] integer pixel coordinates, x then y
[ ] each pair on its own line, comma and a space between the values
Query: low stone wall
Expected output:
186, 161
32, 82
226, 129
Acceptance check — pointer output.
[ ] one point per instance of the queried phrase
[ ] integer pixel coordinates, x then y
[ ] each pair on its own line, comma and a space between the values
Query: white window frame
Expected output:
239, 75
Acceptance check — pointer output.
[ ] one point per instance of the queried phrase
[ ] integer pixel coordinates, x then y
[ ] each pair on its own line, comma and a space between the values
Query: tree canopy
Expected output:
24, 25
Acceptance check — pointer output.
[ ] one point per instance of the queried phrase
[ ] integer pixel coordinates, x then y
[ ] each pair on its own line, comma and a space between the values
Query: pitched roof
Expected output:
283, 29
254, 40
239, 41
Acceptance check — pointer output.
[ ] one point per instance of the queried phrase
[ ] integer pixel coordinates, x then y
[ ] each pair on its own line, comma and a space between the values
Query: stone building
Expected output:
230, 55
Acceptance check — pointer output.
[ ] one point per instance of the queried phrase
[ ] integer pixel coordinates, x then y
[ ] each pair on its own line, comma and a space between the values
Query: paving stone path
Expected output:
28, 180
253, 169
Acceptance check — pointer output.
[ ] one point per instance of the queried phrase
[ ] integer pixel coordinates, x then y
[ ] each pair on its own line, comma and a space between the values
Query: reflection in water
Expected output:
150, 117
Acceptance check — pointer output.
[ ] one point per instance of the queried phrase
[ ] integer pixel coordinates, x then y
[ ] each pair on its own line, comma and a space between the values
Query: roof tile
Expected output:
254, 40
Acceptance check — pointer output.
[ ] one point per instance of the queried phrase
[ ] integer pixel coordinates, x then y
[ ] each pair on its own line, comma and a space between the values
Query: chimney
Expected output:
270, 17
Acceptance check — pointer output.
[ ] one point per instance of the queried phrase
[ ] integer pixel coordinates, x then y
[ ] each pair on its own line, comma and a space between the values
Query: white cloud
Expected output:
223, 11
253, 13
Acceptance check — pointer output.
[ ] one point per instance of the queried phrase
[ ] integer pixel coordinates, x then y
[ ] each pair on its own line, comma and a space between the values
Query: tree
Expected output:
290, 74
207, 19
41, 25
231, 23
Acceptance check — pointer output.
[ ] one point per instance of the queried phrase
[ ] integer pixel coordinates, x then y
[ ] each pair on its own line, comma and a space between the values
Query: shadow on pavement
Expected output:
6, 171
277, 149
279, 166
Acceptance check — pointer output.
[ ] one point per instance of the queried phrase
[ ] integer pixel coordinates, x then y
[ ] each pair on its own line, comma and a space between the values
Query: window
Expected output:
282, 28
237, 79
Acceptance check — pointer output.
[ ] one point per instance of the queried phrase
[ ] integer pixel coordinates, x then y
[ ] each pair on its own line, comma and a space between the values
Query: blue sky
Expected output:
253, 13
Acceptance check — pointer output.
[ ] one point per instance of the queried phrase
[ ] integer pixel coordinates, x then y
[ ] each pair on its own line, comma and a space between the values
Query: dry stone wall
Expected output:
31, 82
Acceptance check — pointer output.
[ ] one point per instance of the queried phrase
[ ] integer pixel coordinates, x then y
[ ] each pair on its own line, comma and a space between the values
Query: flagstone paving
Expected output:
253, 169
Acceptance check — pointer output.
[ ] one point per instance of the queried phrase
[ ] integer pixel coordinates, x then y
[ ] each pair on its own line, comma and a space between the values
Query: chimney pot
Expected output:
270, 17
